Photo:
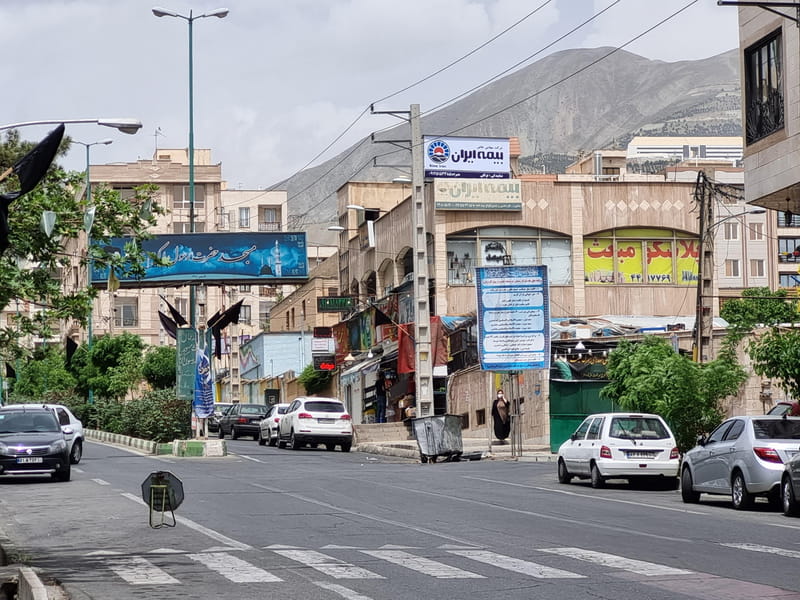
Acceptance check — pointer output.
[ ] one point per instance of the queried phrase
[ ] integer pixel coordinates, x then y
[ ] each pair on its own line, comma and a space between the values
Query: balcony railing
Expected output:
269, 226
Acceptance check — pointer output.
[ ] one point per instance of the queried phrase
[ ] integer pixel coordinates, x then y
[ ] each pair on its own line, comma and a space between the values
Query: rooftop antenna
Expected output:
157, 133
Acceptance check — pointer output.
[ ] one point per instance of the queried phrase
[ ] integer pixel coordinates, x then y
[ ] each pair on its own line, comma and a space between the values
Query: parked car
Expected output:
783, 407
219, 410
620, 446
790, 486
32, 443
268, 428
70, 425
242, 419
316, 420
744, 457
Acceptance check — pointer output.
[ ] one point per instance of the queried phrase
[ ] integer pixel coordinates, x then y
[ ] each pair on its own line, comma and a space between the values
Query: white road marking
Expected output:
516, 565
618, 562
233, 568
767, 549
214, 535
328, 565
100, 482
426, 566
244, 456
344, 592
138, 571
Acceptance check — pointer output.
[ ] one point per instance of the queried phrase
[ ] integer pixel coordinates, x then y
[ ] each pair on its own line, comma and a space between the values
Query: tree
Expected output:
649, 376
116, 364
777, 355
314, 381
159, 366
44, 378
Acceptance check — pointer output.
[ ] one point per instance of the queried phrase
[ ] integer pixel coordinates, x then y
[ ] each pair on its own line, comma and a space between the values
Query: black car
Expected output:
219, 410
32, 443
242, 419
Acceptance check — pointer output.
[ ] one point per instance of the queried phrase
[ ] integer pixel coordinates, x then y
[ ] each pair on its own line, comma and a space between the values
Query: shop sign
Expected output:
334, 303
324, 362
471, 194
464, 157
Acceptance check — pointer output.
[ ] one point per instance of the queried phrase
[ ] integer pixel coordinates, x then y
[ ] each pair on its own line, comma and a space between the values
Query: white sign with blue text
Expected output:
513, 318
476, 158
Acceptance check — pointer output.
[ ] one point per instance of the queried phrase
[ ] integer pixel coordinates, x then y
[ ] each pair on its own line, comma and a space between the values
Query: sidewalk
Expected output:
473, 449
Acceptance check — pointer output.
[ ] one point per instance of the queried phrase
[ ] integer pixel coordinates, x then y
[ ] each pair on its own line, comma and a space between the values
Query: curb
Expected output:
179, 448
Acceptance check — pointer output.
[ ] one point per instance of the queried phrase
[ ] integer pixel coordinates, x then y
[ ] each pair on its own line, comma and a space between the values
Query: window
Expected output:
245, 317
756, 231
244, 217
731, 230
181, 197
789, 281
244, 289
718, 434
580, 433
756, 267
199, 227
788, 249
594, 429
732, 267
735, 431
763, 88
126, 312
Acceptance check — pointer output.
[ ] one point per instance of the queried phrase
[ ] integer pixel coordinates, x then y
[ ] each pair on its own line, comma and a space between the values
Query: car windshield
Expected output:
28, 423
253, 409
639, 428
776, 429
282, 410
330, 407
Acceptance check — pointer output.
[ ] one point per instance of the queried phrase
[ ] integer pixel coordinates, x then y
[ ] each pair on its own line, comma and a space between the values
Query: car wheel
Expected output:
741, 498
563, 473
76, 453
330, 447
688, 494
790, 507
272, 440
346, 446
260, 438
221, 434
293, 443
775, 498
597, 479
671, 483
281, 443
234, 433
63, 474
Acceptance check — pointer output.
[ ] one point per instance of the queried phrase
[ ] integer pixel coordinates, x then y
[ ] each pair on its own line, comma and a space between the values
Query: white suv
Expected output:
70, 425
620, 446
316, 420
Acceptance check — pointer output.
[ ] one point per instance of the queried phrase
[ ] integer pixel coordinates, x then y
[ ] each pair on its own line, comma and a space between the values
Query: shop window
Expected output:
480, 417
764, 112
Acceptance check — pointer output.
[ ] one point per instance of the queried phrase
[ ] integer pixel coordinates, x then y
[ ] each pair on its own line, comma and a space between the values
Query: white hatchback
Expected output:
316, 420
620, 446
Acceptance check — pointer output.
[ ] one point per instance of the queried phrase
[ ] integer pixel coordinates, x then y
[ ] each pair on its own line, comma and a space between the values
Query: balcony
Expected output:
269, 226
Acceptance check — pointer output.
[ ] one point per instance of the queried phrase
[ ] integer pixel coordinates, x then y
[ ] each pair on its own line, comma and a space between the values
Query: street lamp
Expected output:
129, 126
88, 226
219, 13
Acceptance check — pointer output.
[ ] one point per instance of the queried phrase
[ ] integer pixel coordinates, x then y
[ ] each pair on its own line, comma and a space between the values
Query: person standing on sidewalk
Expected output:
500, 417
380, 398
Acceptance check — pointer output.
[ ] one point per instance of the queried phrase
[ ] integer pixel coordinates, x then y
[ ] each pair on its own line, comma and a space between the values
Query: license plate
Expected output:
641, 455
29, 459
326, 421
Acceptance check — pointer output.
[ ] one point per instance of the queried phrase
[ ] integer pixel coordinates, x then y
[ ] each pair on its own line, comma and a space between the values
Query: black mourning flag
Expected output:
220, 321
71, 346
11, 373
177, 317
168, 324
30, 169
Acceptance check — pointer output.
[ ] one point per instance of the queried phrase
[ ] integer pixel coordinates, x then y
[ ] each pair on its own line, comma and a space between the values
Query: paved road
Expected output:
314, 525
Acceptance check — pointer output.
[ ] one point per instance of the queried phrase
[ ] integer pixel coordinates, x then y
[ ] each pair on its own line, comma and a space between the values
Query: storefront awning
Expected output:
366, 366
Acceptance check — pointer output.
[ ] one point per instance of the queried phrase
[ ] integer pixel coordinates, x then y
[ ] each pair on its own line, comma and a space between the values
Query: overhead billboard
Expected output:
464, 157
225, 258
513, 318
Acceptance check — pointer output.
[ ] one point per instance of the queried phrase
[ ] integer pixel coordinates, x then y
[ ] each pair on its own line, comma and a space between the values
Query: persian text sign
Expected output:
217, 257
471, 194
513, 318
481, 158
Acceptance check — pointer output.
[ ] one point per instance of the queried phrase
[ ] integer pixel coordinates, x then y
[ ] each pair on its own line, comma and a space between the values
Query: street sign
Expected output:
162, 491
324, 362
323, 332
334, 303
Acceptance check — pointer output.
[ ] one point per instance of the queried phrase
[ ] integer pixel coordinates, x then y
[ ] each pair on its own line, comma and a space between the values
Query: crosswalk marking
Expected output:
767, 549
619, 562
233, 568
516, 565
344, 592
139, 571
423, 565
332, 567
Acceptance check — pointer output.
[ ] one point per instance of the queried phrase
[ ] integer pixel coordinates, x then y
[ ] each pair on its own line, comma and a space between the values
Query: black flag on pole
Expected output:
177, 317
168, 324
220, 321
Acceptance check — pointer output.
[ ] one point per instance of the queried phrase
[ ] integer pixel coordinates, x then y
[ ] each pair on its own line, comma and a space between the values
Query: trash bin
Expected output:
438, 436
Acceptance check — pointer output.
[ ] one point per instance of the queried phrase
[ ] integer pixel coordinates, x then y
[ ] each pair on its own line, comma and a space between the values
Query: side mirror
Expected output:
701, 440
573, 437
67, 430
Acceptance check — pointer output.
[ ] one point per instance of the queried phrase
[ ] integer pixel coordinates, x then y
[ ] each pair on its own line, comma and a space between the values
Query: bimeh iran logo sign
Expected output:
478, 158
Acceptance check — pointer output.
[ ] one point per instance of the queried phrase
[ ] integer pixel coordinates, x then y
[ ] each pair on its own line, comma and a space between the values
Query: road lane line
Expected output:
138, 571
214, 535
344, 592
233, 568
422, 565
250, 458
767, 549
333, 567
516, 565
101, 482
618, 562
594, 498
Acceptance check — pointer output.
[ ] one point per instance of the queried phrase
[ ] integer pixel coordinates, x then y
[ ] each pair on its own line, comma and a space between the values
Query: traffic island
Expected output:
182, 448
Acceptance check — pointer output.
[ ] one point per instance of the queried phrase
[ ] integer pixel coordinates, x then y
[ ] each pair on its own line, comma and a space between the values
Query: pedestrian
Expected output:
500, 417
380, 398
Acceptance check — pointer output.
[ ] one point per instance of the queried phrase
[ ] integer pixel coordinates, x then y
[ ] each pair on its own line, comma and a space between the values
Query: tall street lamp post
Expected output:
220, 13
88, 226
129, 126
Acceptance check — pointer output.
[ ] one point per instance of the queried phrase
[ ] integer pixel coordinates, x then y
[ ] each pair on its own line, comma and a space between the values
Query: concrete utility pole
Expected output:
704, 318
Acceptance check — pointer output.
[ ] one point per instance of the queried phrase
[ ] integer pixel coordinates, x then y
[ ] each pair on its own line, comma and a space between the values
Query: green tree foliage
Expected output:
777, 355
757, 306
43, 379
314, 381
115, 365
159, 366
649, 376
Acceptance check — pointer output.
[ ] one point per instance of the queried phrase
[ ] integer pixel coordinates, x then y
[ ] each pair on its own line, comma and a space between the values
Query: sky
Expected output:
279, 86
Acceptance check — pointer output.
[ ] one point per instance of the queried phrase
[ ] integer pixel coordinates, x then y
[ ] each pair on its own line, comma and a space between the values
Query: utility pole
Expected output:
704, 318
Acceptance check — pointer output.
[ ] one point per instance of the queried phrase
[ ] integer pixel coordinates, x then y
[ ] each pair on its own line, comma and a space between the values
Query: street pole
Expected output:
422, 315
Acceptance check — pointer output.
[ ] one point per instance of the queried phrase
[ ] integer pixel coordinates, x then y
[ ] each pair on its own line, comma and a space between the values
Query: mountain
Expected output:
569, 102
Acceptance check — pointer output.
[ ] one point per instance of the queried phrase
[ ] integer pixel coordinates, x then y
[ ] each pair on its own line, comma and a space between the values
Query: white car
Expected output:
268, 428
70, 425
316, 420
620, 446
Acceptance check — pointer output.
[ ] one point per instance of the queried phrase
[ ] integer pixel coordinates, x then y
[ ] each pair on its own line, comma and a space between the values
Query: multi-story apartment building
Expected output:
770, 67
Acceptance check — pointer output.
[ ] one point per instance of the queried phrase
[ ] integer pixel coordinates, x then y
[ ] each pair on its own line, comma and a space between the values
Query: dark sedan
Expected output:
790, 485
242, 419
32, 443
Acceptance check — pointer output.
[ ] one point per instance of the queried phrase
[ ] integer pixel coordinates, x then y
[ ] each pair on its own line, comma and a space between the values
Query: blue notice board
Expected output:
513, 318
